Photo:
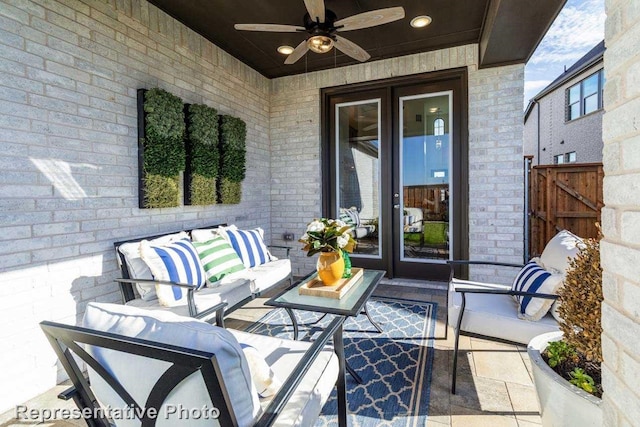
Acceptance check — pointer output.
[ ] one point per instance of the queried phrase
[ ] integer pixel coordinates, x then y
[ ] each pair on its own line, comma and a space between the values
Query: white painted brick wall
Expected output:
620, 249
69, 72
495, 150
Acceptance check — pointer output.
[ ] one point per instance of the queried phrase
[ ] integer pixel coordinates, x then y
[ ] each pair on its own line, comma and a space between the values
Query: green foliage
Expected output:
581, 300
232, 147
203, 135
203, 190
164, 151
230, 192
161, 191
558, 352
580, 378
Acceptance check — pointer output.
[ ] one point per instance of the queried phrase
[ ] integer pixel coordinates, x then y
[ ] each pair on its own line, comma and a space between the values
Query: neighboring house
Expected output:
563, 123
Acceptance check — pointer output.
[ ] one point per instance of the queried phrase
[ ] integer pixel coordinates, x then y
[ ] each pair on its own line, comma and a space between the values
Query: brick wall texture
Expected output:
620, 248
69, 71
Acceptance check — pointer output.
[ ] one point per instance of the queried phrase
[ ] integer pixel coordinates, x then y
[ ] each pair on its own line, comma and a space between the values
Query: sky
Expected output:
577, 29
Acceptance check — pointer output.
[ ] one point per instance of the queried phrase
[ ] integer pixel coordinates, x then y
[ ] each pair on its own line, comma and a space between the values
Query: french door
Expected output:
395, 162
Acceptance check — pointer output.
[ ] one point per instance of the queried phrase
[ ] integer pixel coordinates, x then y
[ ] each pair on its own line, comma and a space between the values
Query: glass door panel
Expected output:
358, 172
425, 177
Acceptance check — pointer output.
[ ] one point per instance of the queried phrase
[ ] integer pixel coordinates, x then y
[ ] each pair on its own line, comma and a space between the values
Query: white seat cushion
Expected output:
138, 374
314, 390
266, 275
496, 315
229, 290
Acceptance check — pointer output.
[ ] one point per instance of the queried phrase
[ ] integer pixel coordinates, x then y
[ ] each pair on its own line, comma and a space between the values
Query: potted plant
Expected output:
329, 238
566, 364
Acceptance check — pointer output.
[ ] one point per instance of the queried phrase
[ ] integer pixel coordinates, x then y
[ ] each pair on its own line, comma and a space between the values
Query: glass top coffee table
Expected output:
352, 303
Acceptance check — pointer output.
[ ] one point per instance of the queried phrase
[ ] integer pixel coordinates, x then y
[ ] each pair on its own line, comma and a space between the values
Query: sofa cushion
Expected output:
230, 290
562, 247
138, 269
314, 390
266, 275
495, 315
138, 374
176, 262
206, 234
218, 259
533, 278
248, 244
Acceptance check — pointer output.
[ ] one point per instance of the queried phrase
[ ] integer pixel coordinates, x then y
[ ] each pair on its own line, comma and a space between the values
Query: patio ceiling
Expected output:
507, 31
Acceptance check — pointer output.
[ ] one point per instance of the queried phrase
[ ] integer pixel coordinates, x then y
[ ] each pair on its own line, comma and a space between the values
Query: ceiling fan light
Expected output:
285, 50
320, 44
421, 21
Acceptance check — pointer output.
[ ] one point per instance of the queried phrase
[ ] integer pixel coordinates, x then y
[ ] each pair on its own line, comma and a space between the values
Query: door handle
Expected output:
396, 206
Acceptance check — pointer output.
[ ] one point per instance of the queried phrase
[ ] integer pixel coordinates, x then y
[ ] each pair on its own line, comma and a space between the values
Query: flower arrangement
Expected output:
327, 235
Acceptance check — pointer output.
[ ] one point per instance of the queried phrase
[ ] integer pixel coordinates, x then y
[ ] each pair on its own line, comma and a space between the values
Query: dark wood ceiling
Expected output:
507, 31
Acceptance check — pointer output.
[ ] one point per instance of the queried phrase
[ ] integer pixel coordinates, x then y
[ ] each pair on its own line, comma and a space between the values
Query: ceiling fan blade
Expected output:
315, 9
350, 48
297, 53
370, 19
276, 28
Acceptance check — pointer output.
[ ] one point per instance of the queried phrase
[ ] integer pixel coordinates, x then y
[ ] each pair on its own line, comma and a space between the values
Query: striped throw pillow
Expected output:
534, 278
218, 259
174, 262
248, 244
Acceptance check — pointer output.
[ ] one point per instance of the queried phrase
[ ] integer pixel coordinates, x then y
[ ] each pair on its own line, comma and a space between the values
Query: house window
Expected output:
438, 127
585, 97
559, 159
570, 157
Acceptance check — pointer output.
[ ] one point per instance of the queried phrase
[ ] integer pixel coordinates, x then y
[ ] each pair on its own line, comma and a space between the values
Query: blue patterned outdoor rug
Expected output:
395, 365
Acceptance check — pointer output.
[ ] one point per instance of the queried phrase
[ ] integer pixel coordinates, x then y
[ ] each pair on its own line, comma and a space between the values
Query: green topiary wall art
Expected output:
233, 134
202, 155
161, 148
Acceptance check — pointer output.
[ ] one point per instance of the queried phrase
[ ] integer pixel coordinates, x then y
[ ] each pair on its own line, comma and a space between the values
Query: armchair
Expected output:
490, 309
159, 368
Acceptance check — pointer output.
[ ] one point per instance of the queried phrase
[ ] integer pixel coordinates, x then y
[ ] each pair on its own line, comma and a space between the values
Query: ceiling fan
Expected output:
321, 25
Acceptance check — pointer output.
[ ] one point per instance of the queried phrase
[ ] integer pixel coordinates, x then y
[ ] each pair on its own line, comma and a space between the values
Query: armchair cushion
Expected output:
176, 262
534, 278
138, 374
218, 259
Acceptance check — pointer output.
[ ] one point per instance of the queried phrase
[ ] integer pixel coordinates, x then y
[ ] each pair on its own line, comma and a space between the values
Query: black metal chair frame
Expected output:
463, 293
126, 283
67, 341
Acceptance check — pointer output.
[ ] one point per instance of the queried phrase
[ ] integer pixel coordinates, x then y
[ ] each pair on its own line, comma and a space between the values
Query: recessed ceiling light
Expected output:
285, 50
420, 21
433, 110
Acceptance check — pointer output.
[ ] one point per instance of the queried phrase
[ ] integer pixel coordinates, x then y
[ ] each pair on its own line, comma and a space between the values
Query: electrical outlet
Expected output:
287, 236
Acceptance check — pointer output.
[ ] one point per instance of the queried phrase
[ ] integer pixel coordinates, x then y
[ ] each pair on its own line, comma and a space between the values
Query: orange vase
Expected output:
330, 267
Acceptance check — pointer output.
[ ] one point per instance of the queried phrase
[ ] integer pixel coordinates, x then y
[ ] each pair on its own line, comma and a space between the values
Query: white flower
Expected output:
340, 223
342, 241
305, 237
315, 226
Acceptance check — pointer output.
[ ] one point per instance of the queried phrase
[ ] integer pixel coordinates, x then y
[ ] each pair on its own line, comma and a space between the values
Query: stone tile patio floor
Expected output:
495, 385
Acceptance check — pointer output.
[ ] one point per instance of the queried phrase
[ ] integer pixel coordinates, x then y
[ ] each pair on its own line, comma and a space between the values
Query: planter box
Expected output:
561, 403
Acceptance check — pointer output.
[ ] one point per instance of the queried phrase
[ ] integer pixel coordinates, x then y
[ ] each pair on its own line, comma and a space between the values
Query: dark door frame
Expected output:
454, 79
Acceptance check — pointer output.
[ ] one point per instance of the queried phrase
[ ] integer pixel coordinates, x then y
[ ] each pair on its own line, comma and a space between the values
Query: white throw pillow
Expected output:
534, 278
264, 379
559, 250
206, 234
138, 269
138, 375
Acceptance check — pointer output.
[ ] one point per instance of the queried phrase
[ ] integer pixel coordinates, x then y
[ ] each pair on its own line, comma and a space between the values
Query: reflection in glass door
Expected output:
425, 178
358, 169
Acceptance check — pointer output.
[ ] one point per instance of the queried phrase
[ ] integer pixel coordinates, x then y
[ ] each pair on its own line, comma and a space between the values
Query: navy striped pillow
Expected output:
176, 262
534, 278
249, 245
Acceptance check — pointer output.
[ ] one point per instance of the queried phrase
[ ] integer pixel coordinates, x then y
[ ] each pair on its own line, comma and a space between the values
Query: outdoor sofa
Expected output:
245, 270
